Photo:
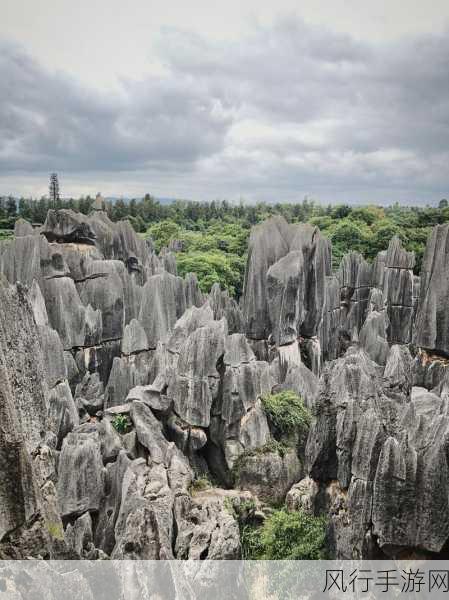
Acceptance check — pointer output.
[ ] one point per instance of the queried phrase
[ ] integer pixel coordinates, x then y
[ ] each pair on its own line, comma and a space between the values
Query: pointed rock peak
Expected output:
66, 225
38, 304
397, 256
134, 338
23, 228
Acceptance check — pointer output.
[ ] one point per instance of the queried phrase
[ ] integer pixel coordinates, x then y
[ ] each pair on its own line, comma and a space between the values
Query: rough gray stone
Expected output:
134, 338
80, 474
431, 329
268, 475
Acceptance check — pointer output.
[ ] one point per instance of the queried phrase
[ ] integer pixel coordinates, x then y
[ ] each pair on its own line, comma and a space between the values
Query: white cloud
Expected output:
286, 110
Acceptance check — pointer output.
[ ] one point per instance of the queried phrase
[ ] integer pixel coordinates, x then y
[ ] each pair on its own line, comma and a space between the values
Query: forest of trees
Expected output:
212, 236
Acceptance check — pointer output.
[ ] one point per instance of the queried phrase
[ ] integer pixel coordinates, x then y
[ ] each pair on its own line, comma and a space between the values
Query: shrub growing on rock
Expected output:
285, 536
286, 413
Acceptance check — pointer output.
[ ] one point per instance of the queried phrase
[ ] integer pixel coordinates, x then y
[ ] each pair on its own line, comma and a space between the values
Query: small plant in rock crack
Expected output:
121, 423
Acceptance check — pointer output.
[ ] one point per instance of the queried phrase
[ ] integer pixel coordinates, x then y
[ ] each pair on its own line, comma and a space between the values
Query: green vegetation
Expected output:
200, 484
286, 413
285, 536
55, 530
6, 234
121, 423
213, 236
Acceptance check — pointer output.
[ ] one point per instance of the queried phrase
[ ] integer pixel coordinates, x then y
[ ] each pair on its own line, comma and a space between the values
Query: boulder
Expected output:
268, 475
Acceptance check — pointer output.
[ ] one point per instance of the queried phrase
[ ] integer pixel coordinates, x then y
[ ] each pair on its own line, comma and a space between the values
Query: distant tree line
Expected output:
211, 237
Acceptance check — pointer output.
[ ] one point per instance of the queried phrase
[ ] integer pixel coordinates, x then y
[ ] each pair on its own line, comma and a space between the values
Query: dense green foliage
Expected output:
5, 234
121, 423
285, 536
216, 253
286, 413
214, 235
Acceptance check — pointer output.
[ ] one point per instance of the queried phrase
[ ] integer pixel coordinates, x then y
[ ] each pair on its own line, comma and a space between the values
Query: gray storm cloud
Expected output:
290, 107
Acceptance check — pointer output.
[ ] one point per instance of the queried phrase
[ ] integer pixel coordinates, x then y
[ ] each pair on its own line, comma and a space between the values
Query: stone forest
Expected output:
141, 418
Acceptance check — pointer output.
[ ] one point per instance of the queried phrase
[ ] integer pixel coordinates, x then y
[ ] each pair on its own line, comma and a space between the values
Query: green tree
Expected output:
163, 233
212, 267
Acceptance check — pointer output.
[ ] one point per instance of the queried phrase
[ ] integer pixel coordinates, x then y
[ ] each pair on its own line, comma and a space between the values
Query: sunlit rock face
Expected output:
123, 386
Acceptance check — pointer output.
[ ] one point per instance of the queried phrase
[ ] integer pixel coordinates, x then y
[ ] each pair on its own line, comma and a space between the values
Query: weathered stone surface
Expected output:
373, 337
145, 524
266, 283
103, 290
151, 396
144, 527
206, 527
80, 474
66, 225
432, 318
31, 257
192, 319
398, 373
134, 338
78, 258
110, 503
149, 432
398, 291
126, 373
119, 241
53, 355
194, 296
168, 261
22, 228
344, 381
79, 535
195, 382
89, 393
238, 421
302, 381
224, 306
268, 475
108, 321
302, 496
429, 370
329, 333
267, 244
62, 411
66, 313
285, 291
163, 302
18, 487
354, 275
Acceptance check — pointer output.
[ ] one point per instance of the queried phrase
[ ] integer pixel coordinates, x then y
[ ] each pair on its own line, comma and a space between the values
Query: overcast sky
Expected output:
337, 100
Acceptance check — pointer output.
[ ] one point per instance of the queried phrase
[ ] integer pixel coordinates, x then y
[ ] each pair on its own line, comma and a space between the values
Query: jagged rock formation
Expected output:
122, 383
432, 318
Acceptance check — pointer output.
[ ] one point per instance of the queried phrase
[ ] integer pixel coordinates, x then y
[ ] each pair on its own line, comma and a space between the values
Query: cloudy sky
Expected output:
337, 100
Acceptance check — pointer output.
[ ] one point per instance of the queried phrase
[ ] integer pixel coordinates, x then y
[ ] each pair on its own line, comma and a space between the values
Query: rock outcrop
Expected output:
431, 330
123, 387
